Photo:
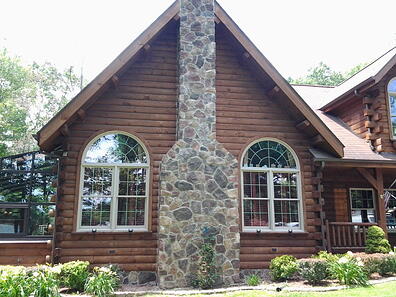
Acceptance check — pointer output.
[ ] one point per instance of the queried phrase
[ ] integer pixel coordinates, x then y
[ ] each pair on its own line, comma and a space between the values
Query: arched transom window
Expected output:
114, 184
392, 106
271, 188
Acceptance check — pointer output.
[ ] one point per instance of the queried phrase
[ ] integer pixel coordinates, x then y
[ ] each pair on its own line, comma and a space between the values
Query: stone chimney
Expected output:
198, 178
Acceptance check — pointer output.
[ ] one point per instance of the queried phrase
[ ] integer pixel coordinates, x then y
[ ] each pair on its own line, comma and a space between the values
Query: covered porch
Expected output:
354, 197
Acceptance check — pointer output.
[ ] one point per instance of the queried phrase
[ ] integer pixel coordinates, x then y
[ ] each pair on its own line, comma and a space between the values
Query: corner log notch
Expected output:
377, 182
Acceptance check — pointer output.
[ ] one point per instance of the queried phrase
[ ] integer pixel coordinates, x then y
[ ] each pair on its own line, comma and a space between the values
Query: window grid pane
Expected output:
362, 206
97, 181
132, 182
286, 213
131, 211
96, 211
255, 213
285, 185
255, 185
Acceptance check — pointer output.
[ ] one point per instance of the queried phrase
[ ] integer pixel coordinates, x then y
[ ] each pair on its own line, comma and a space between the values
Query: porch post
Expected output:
380, 200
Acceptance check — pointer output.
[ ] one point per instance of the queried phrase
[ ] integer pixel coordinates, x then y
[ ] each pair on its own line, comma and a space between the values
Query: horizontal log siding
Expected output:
24, 253
244, 112
144, 102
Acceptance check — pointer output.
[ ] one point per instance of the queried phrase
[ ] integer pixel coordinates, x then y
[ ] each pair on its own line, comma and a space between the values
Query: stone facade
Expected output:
198, 178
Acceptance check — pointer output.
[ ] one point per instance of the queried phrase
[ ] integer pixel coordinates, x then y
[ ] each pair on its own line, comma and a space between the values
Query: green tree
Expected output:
29, 96
323, 75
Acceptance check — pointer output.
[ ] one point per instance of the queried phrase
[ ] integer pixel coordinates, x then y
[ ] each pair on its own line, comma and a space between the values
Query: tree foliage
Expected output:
30, 95
323, 75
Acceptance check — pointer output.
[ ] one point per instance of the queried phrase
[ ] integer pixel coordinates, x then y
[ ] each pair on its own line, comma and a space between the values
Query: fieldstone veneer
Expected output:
198, 187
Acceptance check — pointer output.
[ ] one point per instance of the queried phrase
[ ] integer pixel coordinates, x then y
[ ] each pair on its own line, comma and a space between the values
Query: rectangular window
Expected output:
362, 205
391, 210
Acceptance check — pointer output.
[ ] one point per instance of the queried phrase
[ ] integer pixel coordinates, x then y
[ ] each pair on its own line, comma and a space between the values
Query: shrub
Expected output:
376, 241
283, 267
253, 280
102, 282
207, 274
329, 257
349, 271
14, 282
387, 265
74, 274
314, 270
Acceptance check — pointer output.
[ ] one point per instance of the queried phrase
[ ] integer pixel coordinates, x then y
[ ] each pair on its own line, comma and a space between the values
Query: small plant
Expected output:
207, 274
14, 282
387, 264
253, 280
283, 267
376, 241
314, 270
44, 281
102, 282
349, 271
74, 274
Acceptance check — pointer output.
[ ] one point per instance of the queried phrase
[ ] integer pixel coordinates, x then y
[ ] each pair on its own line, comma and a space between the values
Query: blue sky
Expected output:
293, 35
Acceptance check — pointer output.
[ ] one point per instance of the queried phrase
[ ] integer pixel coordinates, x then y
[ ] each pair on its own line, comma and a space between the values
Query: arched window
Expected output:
392, 106
271, 187
114, 184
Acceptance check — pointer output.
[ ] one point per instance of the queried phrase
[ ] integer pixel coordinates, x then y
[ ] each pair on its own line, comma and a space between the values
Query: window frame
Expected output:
270, 190
390, 115
114, 227
374, 202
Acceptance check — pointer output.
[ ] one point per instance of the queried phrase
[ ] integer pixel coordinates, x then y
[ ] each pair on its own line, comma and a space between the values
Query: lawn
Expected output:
381, 290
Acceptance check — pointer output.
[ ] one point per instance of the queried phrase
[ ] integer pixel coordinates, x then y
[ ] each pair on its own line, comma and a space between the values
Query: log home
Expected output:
191, 130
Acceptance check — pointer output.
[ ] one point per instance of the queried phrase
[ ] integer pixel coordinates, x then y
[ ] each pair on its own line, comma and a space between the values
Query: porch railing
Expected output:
343, 236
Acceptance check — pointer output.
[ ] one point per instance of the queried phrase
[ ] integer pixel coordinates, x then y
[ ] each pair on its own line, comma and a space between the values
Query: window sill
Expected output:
22, 241
273, 232
110, 232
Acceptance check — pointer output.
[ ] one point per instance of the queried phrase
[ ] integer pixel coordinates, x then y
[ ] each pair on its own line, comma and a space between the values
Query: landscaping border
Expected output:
268, 287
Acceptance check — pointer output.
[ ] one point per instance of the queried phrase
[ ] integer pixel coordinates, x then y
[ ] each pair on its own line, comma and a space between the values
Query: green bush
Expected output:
253, 280
376, 241
283, 267
207, 272
349, 271
314, 270
74, 275
387, 265
329, 257
14, 282
102, 282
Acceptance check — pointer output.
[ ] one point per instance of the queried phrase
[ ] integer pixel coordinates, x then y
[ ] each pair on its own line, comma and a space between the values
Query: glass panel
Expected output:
95, 211
132, 182
392, 86
115, 148
12, 220
131, 211
286, 214
269, 154
392, 103
39, 219
362, 199
363, 216
255, 184
97, 181
285, 185
255, 213
393, 119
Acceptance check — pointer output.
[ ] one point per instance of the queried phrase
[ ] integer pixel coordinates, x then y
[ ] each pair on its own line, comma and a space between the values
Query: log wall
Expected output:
245, 113
142, 103
26, 253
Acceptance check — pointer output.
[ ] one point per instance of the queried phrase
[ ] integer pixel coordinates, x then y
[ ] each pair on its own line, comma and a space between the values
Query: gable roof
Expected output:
314, 95
365, 78
50, 130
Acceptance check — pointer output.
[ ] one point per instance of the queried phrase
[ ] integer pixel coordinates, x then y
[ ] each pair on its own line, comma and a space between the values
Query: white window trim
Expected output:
374, 202
270, 187
115, 184
390, 115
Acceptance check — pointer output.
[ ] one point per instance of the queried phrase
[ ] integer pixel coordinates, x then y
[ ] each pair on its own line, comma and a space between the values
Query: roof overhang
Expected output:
52, 129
